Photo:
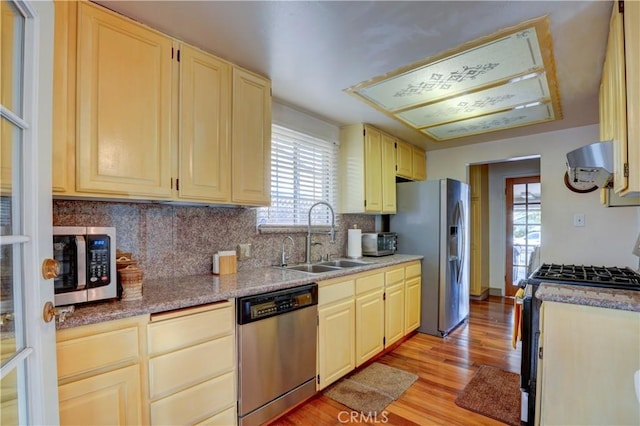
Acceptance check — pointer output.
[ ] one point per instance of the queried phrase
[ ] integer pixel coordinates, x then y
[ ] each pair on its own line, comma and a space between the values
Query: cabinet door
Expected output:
388, 161
419, 159
372, 170
632, 73
394, 313
369, 325
404, 160
205, 126
251, 147
64, 98
124, 106
336, 341
590, 356
112, 398
413, 290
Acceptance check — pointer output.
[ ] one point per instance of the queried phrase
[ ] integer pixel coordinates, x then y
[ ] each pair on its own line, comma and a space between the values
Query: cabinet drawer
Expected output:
182, 331
394, 276
337, 291
196, 403
88, 353
225, 418
413, 270
370, 282
196, 363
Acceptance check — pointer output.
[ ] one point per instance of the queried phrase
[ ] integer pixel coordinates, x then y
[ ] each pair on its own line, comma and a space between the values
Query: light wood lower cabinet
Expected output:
101, 377
336, 330
394, 305
192, 364
359, 316
369, 317
589, 358
111, 398
413, 296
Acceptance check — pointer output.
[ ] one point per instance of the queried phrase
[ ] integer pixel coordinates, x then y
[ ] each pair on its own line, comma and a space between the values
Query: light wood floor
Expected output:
444, 367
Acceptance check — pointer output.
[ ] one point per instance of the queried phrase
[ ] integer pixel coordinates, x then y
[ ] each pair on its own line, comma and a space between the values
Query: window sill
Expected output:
291, 229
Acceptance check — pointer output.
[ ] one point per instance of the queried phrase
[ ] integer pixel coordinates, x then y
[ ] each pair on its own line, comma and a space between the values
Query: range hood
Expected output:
592, 163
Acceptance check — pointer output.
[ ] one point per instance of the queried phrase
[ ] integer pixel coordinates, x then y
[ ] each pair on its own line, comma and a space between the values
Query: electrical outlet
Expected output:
243, 251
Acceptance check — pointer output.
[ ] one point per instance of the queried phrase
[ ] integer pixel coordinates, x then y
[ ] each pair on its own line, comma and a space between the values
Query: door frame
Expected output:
39, 384
509, 288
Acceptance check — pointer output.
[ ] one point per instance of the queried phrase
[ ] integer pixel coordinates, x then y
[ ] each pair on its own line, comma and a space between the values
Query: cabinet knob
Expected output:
50, 269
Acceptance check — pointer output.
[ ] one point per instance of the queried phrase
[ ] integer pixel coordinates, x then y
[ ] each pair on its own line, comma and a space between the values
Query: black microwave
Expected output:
87, 261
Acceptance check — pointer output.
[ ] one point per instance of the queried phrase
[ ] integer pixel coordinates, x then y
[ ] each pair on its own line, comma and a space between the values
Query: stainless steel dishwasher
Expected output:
276, 352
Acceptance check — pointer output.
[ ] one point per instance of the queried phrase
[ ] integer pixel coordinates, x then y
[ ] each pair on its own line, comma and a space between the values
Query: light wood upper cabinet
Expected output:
388, 177
620, 97
155, 118
419, 158
404, 160
372, 171
367, 170
124, 106
251, 155
204, 149
410, 161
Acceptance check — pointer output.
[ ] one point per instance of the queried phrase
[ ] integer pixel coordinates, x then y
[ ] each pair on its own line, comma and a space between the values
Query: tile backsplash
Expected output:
175, 240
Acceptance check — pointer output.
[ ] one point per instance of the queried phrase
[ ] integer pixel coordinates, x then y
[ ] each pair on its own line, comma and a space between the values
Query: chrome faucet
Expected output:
283, 255
332, 232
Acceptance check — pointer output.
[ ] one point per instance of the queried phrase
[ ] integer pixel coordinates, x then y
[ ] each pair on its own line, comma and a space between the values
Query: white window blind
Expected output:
303, 172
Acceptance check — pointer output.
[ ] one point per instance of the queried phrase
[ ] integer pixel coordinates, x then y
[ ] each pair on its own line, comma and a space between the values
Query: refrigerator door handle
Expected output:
457, 240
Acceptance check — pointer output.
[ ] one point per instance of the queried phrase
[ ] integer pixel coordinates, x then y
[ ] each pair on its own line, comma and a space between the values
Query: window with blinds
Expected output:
303, 172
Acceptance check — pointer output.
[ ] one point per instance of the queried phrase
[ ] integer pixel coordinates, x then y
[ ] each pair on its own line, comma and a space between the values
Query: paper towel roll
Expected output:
354, 243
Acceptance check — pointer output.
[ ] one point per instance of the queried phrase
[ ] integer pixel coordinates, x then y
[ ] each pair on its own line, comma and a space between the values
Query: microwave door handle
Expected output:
81, 252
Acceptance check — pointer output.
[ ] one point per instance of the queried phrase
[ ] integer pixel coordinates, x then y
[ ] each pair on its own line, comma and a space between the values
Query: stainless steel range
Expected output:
614, 277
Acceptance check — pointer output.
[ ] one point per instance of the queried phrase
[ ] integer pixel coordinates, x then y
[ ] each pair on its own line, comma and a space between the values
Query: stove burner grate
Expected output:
601, 276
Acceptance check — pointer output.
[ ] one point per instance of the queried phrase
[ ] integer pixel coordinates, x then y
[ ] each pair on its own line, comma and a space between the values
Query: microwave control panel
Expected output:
98, 267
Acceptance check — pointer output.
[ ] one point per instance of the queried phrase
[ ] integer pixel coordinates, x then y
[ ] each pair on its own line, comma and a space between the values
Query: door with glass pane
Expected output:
28, 393
524, 229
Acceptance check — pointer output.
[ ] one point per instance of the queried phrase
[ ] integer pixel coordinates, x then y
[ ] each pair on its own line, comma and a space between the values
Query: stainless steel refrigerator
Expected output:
433, 220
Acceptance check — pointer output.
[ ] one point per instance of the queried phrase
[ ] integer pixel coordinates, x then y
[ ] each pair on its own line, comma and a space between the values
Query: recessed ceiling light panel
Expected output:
493, 122
497, 98
478, 85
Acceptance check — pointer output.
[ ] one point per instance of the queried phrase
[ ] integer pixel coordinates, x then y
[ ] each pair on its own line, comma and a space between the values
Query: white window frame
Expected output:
288, 185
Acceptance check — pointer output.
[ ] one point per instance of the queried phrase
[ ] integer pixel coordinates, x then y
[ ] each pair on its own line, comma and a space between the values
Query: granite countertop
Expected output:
627, 300
167, 294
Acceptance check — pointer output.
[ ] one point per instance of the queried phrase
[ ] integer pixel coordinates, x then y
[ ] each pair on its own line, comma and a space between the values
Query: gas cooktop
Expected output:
594, 276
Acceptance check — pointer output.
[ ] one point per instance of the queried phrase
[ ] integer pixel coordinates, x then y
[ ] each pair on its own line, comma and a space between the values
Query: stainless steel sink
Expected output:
345, 263
313, 268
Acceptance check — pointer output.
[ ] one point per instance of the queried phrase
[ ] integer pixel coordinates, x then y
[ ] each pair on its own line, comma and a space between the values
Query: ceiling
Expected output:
313, 50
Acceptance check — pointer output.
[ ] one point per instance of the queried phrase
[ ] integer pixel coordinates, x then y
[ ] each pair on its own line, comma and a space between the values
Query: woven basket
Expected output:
131, 280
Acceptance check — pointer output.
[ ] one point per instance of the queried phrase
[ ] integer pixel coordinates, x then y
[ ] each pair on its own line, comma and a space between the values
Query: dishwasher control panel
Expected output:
261, 306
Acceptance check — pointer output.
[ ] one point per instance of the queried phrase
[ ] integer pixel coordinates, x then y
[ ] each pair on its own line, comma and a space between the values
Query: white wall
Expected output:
609, 233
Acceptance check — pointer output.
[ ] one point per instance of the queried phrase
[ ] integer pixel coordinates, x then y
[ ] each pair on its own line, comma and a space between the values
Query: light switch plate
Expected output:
578, 219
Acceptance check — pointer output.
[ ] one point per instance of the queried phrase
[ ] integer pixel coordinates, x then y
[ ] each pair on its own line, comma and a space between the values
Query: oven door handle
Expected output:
81, 252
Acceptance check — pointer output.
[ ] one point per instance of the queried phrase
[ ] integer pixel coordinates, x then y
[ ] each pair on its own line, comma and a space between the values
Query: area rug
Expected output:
370, 390
493, 393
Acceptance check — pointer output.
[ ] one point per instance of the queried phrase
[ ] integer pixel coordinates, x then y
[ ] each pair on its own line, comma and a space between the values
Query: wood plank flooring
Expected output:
444, 367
